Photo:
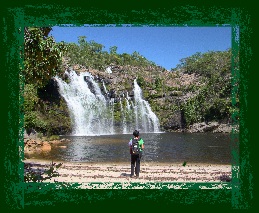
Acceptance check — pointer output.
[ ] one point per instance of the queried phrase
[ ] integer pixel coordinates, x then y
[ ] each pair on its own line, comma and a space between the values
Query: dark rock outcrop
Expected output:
176, 122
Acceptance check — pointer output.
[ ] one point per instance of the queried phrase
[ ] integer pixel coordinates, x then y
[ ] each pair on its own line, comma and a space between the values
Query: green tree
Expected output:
42, 61
42, 56
113, 50
211, 101
91, 54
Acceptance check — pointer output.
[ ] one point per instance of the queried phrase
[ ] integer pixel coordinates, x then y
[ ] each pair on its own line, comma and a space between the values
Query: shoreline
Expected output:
143, 163
156, 173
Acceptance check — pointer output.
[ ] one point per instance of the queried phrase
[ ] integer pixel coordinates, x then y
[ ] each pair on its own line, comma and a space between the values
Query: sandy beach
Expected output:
150, 172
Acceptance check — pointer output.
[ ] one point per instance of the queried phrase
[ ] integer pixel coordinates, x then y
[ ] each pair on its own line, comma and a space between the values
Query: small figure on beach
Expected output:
136, 145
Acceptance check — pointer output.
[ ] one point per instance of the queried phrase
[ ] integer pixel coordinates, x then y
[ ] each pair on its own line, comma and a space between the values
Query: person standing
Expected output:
135, 158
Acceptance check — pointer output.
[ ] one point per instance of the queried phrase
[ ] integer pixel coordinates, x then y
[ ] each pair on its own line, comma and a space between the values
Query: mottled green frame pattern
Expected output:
18, 195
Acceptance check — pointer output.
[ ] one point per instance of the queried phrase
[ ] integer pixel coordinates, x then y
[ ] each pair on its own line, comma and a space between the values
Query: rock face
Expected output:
53, 111
203, 127
176, 122
164, 102
210, 127
34, 144
225, 128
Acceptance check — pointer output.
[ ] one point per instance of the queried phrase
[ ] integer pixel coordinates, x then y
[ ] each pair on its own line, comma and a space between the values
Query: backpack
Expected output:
135, 147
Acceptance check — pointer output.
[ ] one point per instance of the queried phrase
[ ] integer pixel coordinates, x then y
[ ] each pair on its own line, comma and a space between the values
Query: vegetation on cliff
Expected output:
209, 98
43, 110
197, 90
91, 55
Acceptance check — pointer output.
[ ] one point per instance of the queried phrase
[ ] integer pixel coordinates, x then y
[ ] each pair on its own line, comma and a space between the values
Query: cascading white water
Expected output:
89, 111
104, 87
93, 114
127, 101
145, 119
111, 106
124, 125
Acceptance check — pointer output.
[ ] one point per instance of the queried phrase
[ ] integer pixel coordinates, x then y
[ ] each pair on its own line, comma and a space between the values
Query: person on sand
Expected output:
135, 158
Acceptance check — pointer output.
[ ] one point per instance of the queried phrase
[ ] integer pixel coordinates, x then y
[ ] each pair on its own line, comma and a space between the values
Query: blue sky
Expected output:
163, 45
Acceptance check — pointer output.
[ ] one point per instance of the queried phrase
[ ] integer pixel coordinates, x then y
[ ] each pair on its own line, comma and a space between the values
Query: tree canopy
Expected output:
42, 61
42, 56
91, 54
212, 99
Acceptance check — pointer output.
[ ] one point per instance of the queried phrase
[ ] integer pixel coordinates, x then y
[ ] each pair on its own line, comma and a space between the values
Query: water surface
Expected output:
209, 148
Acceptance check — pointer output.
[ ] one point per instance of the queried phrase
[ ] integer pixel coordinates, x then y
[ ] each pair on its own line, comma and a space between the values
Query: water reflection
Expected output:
159, 147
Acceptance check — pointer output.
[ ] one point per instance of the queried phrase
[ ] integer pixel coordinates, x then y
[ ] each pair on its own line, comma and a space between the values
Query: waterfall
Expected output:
93, 113
111, 104
127, 101
145, 119
123, 115
89, 111
104, 87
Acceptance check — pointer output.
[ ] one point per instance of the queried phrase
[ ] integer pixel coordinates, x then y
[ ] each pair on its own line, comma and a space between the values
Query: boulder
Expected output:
45, 146
203, 127
224, 128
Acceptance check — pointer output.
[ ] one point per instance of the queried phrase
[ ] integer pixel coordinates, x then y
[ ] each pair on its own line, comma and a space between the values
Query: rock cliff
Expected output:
166, 91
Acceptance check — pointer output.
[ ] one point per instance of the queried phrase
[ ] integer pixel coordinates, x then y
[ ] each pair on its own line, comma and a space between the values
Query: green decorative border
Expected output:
18, 195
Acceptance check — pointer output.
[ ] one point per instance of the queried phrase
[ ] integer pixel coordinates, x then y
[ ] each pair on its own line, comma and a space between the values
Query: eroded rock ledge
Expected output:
33, 144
